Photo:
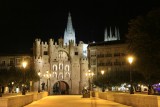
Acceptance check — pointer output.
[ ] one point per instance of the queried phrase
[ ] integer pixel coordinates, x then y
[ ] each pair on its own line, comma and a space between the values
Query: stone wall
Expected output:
135, 100
21, 100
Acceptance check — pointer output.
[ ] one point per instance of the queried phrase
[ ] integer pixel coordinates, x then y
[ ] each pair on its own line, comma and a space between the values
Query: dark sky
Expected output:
23, 21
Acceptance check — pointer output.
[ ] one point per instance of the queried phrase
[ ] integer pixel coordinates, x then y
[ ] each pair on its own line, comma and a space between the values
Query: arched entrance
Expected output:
61, 87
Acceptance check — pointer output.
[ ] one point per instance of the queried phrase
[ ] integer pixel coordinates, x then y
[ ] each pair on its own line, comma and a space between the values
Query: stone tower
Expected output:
62, 65
69, 33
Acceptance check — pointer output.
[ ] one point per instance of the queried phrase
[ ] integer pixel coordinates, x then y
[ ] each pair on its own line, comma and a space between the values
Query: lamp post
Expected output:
89, 74
102, 72
24, 64
48, 75
39, 73
130, 60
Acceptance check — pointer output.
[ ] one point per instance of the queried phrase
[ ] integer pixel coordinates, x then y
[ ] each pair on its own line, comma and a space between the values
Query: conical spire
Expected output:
110, 33
105, 35
69, 23
118, 34
69, 33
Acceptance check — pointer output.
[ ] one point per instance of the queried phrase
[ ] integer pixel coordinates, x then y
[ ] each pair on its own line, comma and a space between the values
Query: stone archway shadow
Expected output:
61, 88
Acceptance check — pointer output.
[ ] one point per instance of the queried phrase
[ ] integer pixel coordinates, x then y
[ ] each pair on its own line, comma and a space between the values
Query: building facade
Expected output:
110, 55
61, 65
10, 61
7, 61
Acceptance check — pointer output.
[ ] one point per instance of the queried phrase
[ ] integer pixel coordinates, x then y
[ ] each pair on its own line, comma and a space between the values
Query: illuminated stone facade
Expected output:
65, 61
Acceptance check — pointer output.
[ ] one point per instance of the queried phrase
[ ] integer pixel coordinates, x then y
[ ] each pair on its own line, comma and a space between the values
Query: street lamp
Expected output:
47, 75
39, 73
89, 74
102, 72
130, 60
24, 64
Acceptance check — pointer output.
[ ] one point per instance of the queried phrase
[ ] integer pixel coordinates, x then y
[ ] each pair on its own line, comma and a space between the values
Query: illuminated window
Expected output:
54, 74
61, 66
54, 67
61, 76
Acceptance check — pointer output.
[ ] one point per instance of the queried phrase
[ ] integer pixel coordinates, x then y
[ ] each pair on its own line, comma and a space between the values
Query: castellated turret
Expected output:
50, 47
60, 42
37, 47
71, 48
83, 69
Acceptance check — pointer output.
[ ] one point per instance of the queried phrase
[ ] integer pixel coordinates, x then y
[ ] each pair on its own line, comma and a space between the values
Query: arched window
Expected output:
54, 67
61, 66
60, 76
67, 67
55, 74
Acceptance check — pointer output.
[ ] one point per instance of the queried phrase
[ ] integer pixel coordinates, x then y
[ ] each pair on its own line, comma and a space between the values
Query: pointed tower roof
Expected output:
69, 33
110, 33
69, 23
105, 35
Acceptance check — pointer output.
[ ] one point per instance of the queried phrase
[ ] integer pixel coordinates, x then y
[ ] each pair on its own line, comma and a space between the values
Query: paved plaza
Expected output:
73, 101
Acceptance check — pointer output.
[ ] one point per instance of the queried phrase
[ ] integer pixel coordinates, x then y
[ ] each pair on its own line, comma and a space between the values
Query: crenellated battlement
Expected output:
37, 40
84, 60
37, 59
51, 41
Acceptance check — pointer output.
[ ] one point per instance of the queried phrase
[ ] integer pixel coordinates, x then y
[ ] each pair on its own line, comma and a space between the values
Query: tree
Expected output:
116, 78
16, 75
31, 74
144, 42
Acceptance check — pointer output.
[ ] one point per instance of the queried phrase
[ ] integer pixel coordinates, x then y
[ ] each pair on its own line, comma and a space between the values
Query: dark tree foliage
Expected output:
116, 78
31, 74
144, 42
4, 76
16, 75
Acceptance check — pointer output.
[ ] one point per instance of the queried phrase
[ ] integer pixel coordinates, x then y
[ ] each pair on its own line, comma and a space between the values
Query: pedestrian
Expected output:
43, 86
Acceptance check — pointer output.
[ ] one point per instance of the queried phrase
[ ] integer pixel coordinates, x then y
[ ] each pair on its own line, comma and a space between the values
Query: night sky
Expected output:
23, 21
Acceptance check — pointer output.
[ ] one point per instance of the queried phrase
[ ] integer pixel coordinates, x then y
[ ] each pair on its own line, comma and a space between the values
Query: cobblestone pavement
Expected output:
73, 101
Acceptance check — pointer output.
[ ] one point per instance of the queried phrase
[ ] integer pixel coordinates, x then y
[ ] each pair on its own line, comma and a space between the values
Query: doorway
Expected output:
61, 88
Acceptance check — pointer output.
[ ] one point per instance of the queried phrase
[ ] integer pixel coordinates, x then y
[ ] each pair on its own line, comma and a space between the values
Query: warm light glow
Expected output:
89, 70
39, 73
102, 72
130, 59
89, 73
86, 74
47, 72
24, 64
92, 74
47, 75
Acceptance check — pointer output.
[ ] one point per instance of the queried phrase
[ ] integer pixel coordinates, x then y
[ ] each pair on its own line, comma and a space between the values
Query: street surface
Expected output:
73, 101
